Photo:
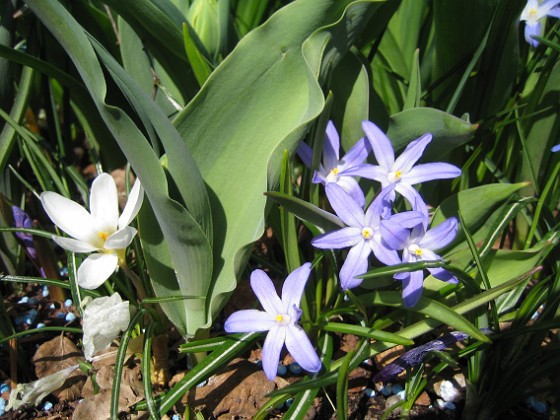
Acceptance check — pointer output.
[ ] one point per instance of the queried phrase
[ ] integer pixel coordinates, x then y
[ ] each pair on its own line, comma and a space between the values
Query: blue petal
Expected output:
351, 186
294, 285
342, 238
249, 320
412, 288
331, 147
356, 155
412, 153
381, 145
305, 153
430, 171
272, 347
349, 211
266, 293
441, 235
394, 235
301, 349
442, 274
532, 29
356, 263
555, 148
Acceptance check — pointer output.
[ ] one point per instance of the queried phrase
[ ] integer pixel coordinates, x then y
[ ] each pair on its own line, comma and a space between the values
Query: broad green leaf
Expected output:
258, 102
350, 86
476, 205
448, 131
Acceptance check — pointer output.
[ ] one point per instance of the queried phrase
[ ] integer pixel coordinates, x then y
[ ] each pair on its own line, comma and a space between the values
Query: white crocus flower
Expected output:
101, 231
103, 320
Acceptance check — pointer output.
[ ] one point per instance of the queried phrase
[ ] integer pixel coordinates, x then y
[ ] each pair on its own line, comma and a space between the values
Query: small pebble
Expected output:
176, 417
63, 272
395, 389
289, 402
31, 316
449, 391
51, 306
47, 406
68, 303
536, 405
445, 405
4, 388
2, 406
24, 299
259, 363
45, 291
60, 315
203, 383
70, 317
401, 394
41, 325
386, 390
295, 369
282, 370
369, 392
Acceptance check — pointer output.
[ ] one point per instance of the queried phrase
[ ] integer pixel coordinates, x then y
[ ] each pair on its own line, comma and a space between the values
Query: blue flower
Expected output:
280, 318
402, 171
336, 170
420, 246
532, 15
372, 231
555, 148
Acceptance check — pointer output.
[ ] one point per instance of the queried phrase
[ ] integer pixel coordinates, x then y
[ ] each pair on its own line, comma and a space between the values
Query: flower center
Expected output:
394, 176
367, 233
282, 319
533, 13
103, 235
415, 250
333, 175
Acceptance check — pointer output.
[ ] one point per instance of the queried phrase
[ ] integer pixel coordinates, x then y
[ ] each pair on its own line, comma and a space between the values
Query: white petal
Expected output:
70, 217
121, 238
133, 204
73, 244
104, 318
104, 203
95, 269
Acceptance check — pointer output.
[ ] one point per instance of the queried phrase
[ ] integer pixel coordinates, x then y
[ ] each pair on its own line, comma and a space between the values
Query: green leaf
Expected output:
350, 86
475, 204
366, 332
307, 212
448, 131
199, 63
428, 307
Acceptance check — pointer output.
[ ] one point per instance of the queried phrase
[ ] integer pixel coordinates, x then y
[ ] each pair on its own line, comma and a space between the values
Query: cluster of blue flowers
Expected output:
376, 230
392, 238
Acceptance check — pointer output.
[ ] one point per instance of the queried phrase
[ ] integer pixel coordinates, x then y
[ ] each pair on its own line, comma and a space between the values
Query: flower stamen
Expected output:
367, 233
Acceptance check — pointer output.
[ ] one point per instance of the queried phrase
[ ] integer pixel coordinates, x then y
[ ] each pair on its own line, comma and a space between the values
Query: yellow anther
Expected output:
398, 174
103, 235
335, 171
279, 318
367, 232
418, 252
533, 12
